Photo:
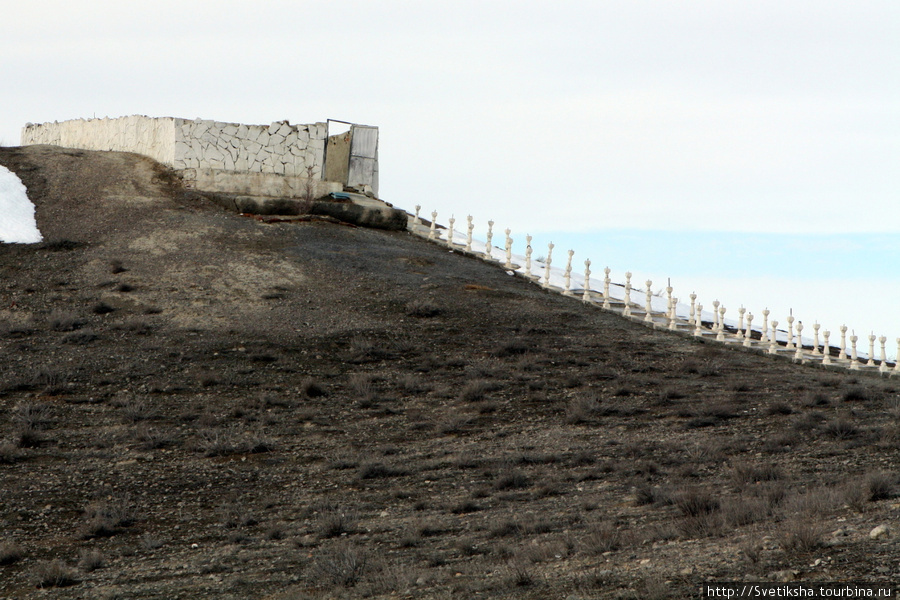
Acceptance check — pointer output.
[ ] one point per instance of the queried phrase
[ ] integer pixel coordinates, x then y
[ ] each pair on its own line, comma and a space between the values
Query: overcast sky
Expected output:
760, 117
765, 116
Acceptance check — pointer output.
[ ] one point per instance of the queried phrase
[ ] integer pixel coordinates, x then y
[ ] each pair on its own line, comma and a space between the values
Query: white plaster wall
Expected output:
153, 137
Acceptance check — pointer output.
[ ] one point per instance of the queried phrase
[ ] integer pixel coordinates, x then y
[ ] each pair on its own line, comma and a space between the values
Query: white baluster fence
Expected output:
665, 312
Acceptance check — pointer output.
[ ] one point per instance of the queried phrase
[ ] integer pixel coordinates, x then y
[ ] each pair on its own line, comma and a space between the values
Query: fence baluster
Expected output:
568, 275
747, 336
790, 331
798, 355
773, 341
871, 361
649, 306
693, 312
606, 283
627, 310
431, 229
586, 297
698, 321
528, 251
450, 223
547, 265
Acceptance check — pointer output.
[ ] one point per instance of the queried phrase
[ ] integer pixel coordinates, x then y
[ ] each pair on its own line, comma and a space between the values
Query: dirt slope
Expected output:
199, 404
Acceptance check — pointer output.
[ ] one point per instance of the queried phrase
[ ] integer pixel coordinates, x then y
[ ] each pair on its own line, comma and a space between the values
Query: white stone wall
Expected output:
279, 148
153, 137
195, 145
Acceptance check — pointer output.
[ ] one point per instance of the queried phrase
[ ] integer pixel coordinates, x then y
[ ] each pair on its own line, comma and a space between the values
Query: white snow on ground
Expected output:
17, 224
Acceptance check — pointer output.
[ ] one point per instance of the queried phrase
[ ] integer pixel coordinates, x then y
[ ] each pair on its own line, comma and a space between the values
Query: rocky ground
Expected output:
199, 404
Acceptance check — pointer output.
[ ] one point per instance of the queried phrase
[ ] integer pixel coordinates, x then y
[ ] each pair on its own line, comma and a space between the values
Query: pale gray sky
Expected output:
766, 116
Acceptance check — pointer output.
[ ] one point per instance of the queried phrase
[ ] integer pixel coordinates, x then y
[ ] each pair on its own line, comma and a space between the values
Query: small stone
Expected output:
783, 576
686, 571
880, 532
645, 562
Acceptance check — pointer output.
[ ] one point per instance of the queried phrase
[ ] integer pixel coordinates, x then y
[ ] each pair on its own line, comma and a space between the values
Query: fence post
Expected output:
416, 219
721, 335
853, 356
698, 321
816, 337
748, 337
450, 222
773, 341
568, 275
673, 315
883, 368
843, 354
765, 328
490, 234
606, 290
528, 251
871, 361
547, 265
668, 298
649, 305
798, 355
826, 350
586, 297
471, 227
627, 310
693, 312
790, 332
509, 243
740, 331
431, 229
897, 359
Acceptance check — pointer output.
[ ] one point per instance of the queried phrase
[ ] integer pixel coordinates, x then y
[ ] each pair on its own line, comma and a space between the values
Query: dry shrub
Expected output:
54, 573
801, 535
423, 309
343, 566
10, 552
694, 502
744, 473
105, 519
474, 391
582, 409
604, 537
90, 560
334, 522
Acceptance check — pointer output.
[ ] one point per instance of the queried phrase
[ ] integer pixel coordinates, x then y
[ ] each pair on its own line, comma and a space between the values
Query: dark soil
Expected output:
198, 404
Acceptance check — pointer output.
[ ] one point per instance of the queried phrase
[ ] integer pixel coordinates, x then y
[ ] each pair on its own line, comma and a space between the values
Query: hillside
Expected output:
199, 404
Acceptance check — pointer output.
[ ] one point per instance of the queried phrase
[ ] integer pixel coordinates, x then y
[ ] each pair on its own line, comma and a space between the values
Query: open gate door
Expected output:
363, 169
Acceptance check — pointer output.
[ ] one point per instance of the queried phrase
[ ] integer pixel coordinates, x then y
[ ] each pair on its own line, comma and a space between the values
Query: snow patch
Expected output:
17, 223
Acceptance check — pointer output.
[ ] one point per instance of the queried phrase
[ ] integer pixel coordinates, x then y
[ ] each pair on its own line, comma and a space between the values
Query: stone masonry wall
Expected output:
279, 148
